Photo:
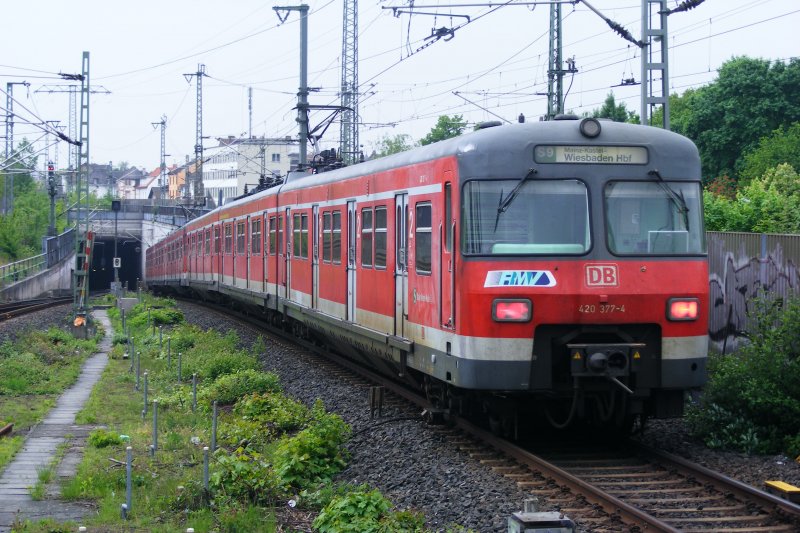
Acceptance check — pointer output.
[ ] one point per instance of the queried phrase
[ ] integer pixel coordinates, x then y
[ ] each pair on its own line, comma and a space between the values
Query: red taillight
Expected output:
683, 309
511, 310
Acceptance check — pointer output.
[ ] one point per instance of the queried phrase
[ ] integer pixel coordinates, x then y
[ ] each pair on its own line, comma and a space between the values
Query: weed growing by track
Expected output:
276, 457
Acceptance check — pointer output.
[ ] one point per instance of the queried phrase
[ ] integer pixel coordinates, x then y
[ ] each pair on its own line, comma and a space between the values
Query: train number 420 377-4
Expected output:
601, 308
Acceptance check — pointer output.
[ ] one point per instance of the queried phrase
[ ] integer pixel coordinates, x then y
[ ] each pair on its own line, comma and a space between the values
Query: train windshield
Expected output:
525, 217
654, 218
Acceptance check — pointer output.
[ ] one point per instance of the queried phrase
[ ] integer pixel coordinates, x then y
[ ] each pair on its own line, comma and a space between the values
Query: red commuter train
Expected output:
554, 267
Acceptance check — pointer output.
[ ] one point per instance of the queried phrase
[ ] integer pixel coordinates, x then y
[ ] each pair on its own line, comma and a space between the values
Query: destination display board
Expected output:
593, 155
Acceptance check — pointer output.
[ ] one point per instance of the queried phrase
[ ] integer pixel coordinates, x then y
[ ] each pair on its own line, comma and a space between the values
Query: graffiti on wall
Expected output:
736, 278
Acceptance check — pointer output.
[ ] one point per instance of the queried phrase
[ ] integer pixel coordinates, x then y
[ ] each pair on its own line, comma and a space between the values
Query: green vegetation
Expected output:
752, 401
21, 232
394, 144
729, 117
616, 112
33, 371
271, 449
365, 511
446, 127
768, 204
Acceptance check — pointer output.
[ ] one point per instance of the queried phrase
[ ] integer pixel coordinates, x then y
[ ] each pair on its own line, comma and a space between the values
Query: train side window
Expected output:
255, 236
326, 237
296, 235
422, 239
380, 237
304, 236
273, 228
448, 216
300, 236
216, 240
366, 237
336, 241
208, 241
240, 237
228, 238
280, 234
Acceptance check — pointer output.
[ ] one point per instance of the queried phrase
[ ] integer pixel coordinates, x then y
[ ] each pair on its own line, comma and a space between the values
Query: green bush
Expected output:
273, 410
230, 387
245, 475
100, 438
365, 511
259, 419
213, 365
164, 317
315, 454
752, 400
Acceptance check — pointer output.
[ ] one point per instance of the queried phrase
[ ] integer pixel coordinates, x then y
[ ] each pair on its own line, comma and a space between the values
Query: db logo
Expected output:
601, 276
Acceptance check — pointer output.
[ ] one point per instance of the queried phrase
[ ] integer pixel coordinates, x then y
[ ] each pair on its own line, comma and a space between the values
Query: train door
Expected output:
315, 257
351, 260
247, 251
446, 242
265, 251
215, 269
287, 246
401, 264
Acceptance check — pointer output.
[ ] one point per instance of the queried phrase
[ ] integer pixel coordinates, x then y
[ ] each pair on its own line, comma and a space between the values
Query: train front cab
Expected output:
587, 284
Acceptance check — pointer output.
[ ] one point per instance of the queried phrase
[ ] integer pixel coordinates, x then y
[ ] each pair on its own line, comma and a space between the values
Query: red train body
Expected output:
561, 264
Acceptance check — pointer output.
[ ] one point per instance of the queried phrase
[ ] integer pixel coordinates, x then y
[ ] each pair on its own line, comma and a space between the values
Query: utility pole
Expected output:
195, 186
162, 176
8, 192
302, 93
555, 80
555, 71
84, 239
51, 191
349, 147
655, 60
72, 91
250, 112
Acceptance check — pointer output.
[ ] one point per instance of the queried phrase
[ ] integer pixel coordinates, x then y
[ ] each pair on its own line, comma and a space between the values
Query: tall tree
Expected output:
445, 128
616, 112
749, 99
781, 146
394, 144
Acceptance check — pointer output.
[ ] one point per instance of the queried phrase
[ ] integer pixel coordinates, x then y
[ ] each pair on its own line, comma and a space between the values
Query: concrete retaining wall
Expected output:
52, 281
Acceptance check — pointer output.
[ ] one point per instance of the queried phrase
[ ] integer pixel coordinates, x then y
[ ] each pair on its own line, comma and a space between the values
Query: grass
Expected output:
34, 370
271, 450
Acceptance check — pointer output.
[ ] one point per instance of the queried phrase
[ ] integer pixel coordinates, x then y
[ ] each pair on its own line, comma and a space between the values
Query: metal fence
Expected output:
55, 249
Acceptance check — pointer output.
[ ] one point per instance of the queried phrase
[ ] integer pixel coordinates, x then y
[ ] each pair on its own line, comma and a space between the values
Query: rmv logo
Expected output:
602, 276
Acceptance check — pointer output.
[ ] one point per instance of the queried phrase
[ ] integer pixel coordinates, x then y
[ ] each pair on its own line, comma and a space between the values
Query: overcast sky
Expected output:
498, 61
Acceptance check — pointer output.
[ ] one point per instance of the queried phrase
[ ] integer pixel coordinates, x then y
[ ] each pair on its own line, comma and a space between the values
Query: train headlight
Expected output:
683, 309
512, 310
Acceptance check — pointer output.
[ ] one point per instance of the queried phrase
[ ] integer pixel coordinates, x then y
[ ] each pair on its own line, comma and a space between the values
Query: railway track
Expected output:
627, 487
14, 309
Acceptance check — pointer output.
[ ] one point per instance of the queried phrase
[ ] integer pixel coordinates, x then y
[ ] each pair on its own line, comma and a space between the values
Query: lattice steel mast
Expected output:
655, 60
162, 176
194, 189
349, 147
83, 242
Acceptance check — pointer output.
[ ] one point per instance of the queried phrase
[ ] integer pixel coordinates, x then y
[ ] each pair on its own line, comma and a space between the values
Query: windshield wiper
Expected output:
506, 202
677, 199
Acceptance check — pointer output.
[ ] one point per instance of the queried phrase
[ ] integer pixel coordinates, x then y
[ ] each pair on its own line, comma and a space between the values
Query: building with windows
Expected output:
237, 164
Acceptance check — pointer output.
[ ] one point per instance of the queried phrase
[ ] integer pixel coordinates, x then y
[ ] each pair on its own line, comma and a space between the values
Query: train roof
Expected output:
491, 148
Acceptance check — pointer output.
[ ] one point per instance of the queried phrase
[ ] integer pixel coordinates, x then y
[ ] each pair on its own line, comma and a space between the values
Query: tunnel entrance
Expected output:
102, 273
